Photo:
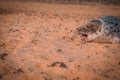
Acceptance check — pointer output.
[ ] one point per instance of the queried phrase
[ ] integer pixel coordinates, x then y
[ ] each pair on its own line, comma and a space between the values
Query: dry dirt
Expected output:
37, 43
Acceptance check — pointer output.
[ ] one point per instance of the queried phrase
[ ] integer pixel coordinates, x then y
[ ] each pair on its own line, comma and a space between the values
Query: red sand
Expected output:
36, 43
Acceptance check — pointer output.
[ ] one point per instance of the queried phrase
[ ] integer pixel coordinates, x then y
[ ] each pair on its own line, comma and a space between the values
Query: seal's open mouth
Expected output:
84, 36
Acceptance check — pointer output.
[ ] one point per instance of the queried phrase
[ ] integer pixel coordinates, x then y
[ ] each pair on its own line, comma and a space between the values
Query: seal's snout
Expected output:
82, 32
78, 29
81, 29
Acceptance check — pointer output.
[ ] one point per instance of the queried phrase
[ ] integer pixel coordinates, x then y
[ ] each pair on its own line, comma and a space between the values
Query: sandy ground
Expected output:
37, 43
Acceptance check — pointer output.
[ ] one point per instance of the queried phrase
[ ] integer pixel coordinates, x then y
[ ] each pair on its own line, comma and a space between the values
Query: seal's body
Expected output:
104, 29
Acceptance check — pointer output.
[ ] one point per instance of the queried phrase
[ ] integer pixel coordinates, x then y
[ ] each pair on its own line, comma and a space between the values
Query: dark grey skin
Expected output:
104, 29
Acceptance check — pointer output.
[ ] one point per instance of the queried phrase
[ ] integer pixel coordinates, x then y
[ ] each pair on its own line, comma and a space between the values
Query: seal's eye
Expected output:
88, 26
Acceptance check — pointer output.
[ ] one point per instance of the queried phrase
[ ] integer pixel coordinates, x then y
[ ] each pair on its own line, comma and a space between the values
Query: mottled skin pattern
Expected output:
104, 29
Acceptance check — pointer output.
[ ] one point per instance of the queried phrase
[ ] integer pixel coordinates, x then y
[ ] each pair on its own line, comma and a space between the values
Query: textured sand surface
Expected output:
37, 43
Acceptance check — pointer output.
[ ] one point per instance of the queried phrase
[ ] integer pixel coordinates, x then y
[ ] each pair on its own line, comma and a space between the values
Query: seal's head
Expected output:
90, 28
